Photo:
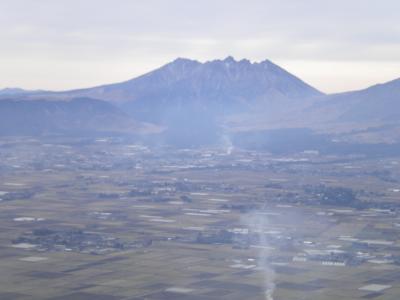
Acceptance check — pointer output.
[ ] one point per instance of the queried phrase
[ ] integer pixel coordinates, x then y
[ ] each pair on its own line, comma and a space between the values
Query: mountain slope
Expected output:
380, 102
78, 116
368, 115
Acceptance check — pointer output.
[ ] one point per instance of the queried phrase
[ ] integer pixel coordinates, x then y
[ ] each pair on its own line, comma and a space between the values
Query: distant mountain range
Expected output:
189, 99
16, 91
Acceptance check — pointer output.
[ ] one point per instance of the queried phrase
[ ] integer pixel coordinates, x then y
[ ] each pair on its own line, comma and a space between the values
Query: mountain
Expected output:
15, 91
203, 103
218, 87
363, 122
77, 116
370, 115
380, 102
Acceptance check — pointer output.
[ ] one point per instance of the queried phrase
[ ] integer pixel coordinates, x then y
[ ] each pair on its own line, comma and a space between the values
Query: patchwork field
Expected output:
110, 220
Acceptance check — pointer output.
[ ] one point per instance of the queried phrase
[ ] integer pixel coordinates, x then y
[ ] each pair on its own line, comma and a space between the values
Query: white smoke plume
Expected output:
227, 144
258, 226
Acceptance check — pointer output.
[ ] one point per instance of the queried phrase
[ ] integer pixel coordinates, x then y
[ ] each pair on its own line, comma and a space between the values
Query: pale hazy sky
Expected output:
335, 45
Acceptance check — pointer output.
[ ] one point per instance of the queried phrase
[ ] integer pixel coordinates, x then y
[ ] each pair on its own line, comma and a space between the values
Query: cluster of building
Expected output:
45, 239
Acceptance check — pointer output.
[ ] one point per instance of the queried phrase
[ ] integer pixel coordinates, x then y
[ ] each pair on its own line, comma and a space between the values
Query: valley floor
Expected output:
108, 219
